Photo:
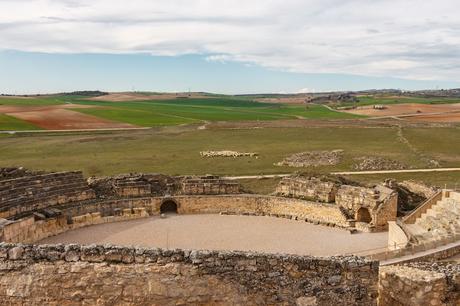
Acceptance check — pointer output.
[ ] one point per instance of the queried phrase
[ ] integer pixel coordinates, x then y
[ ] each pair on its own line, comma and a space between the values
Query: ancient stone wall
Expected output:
133, 185
208, 185
104, 275
419, 188
419, 285
29, 193
309, 188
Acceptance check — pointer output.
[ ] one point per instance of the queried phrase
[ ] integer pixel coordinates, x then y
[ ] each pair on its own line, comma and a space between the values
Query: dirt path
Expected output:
427, 160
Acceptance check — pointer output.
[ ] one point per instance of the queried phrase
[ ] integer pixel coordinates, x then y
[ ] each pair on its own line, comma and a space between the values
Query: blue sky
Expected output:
228, 46
26, 72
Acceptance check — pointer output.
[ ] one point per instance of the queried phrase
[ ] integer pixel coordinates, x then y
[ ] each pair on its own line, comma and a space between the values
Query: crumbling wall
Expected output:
8, 173
380, 202
73, 274
208, 185
309, 188
133, 185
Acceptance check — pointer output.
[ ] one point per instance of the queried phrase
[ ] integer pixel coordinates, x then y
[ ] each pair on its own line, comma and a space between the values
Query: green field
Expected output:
175, 150
179, 111
182, 111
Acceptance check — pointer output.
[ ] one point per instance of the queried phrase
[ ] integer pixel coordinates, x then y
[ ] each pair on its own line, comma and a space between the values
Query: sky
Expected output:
228, 46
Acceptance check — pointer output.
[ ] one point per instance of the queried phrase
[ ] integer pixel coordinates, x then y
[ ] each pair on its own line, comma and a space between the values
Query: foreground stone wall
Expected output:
417, 284
75, 275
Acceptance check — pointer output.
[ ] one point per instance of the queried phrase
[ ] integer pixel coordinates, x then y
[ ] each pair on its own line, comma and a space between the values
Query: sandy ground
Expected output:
221, 232
405, 109
60, 117
127, 96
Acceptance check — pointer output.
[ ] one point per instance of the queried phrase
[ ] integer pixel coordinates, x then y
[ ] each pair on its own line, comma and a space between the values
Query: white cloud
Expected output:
401, 38
306, 90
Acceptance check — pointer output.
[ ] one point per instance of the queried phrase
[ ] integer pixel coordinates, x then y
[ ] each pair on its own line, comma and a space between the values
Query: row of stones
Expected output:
119, 254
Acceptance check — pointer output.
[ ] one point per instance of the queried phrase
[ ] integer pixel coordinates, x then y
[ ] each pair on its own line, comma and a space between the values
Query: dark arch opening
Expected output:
168, 206
363, 215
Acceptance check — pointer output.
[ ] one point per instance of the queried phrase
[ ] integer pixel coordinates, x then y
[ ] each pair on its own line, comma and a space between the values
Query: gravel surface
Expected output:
223, 232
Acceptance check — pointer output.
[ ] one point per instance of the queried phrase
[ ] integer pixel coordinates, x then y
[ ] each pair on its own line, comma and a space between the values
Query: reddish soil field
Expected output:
126, 96
60, 117
449, 117
405, 109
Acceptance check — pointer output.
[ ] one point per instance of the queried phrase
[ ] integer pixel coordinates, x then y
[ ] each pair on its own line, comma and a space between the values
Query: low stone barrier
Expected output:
106, 275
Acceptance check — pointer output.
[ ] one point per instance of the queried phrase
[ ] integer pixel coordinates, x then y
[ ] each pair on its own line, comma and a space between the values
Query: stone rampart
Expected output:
105, 275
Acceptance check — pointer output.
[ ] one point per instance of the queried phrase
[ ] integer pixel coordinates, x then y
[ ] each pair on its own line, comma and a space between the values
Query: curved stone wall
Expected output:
74, 215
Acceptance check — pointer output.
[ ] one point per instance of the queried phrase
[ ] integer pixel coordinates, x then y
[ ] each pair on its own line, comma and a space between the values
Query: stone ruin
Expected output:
372, 163
208, 185
370, 208
139, 184
410, 194
312, 159
308, 188
227, 153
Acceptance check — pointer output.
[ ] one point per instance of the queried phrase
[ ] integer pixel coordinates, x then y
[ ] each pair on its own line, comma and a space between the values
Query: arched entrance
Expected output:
363, 215
168, 206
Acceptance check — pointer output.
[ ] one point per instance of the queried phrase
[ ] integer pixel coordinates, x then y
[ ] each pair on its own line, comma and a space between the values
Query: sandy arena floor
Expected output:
222, 232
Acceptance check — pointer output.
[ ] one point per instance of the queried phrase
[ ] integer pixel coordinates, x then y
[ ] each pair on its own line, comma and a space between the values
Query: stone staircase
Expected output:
439, 222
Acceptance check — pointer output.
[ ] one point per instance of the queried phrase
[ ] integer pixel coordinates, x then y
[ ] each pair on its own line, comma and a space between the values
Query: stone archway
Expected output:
168, 206
363, 215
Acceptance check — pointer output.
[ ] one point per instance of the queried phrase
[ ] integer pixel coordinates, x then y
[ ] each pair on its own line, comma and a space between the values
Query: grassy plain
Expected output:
175, 150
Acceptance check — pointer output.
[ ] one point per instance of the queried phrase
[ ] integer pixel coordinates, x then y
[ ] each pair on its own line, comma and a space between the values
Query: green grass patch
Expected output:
170, 112
35, 101
8, 123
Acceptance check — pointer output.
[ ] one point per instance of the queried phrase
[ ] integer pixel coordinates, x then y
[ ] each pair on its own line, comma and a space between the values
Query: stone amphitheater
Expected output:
412, 269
